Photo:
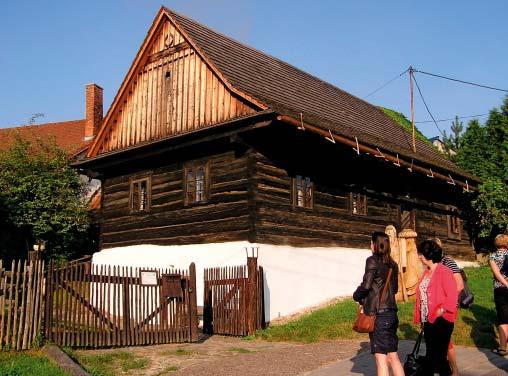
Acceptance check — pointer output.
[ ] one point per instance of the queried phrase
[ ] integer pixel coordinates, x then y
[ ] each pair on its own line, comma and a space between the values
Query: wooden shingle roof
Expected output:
291, 91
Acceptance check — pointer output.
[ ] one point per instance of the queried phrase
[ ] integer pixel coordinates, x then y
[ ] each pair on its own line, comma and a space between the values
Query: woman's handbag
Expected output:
365, 323
413, 364
466, 297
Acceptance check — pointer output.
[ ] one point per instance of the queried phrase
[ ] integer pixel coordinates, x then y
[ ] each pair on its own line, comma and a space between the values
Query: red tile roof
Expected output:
68, 135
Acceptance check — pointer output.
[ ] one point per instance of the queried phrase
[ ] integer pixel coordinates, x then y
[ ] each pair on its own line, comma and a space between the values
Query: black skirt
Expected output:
383, 339
501, 300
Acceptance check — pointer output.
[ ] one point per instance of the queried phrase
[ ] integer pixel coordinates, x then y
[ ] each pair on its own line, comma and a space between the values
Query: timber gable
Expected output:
171, 89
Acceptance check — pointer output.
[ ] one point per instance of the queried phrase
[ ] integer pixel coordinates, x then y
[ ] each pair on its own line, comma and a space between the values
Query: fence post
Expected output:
193, 304
126, 308
252, 288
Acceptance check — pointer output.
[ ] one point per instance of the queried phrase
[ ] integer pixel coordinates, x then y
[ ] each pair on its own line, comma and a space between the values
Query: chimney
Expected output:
93, 110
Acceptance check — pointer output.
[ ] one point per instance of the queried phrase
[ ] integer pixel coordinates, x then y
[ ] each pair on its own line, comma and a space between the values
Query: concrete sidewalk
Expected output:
472, 362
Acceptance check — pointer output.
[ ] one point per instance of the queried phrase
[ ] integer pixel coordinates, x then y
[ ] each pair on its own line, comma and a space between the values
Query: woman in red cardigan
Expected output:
436, 307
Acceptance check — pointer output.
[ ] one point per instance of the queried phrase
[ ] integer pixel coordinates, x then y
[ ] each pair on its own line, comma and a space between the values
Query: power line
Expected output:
461, 81
458, 117
427, 107
386, 84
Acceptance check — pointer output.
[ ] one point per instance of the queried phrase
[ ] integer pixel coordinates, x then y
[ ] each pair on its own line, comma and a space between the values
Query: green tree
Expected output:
472, 155
484, 153
41, 198
454, 140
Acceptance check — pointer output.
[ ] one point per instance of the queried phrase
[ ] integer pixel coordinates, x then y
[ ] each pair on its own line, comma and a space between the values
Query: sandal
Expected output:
500, 352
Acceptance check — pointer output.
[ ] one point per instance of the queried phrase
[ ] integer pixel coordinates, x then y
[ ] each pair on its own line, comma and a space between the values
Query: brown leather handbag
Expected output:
365, 323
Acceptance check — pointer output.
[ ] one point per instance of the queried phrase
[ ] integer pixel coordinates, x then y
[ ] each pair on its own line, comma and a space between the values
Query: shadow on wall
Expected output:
266, 298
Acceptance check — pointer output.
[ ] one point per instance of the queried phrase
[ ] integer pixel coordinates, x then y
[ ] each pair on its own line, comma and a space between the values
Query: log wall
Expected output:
224, 217
251, 199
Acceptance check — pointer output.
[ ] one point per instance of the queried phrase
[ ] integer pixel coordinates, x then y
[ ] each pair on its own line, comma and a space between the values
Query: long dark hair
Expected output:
381, 243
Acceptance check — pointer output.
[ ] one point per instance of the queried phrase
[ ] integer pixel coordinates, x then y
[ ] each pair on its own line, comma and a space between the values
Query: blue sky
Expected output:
51, 49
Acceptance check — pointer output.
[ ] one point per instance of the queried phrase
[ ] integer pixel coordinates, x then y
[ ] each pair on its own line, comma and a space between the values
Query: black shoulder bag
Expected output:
414, 361
466, 296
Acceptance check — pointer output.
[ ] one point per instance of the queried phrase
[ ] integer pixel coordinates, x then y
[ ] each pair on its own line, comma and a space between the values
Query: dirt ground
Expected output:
219, 355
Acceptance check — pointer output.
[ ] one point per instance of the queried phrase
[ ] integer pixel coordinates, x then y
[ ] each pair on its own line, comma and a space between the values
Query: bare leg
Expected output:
393, 359
503, 335
452, 360
381, 364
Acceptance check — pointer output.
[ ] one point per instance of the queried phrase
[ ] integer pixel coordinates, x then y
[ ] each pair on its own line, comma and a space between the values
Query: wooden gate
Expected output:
20, 304
233, 299
100, 306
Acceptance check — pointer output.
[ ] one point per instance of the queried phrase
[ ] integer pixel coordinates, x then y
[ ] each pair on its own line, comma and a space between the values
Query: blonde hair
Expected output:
501, 241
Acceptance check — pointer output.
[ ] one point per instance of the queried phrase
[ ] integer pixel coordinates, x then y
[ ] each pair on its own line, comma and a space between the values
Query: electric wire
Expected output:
461, 81
386, 84
442, 120
427, 107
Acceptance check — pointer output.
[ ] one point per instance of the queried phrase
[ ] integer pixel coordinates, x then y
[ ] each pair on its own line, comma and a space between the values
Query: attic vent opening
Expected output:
168, 74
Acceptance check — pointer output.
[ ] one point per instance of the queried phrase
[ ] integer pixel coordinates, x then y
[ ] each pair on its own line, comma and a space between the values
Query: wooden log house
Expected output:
209, 141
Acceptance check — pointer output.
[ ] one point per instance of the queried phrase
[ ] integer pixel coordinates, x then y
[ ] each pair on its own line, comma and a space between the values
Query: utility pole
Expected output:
411, 97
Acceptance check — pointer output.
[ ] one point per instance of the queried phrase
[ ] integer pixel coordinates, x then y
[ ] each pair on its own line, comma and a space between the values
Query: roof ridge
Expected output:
25, 126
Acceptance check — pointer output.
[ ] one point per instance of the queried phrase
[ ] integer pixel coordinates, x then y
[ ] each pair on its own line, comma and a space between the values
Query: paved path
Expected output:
472, 362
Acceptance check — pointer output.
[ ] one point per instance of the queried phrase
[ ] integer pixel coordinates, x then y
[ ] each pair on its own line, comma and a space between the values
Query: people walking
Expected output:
435, 307
499, 265
383, 340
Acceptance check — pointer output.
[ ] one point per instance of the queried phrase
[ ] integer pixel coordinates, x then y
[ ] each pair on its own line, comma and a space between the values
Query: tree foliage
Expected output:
453, 142
40, 198
484, 153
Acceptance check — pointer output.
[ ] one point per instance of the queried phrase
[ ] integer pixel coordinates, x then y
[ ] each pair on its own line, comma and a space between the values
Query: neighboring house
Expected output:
440, 145
73, 136
211, 147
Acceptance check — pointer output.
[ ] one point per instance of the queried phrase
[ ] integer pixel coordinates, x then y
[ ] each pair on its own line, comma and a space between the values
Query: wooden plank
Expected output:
193, 304
215, 99
49, 304
197, 90
220, 102
38, 301
202, 93
22, 306
9, 305
191, 92
29, 315
78, 329
69, 306
131, 306
125, 294
3, 286
17, 329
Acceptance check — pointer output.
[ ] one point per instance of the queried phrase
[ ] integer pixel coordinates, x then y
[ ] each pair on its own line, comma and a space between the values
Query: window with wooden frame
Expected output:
140, 194
196, 177
357, 203
454, 224
302, 192
407, 218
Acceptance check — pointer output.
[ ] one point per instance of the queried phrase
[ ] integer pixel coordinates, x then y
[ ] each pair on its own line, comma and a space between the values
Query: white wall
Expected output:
295, 278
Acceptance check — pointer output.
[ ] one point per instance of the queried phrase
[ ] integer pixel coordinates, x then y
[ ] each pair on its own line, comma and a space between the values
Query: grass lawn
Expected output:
110, 363
28, 363
474, 327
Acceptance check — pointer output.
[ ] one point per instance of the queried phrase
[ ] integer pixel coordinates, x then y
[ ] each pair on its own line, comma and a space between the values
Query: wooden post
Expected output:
193, 304
126, 305
252, 288
48, 303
